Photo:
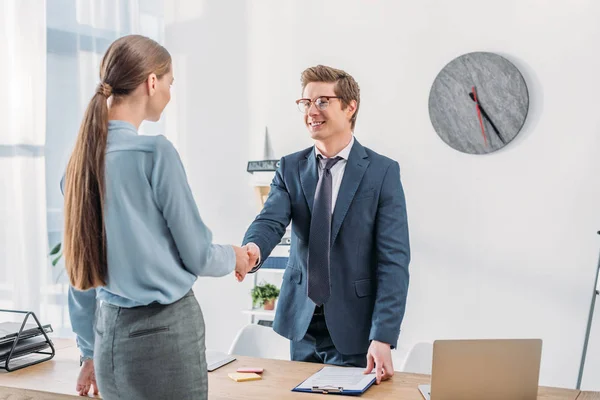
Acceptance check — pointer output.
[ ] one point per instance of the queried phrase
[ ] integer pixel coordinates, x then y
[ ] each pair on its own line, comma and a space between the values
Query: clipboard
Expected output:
337, 380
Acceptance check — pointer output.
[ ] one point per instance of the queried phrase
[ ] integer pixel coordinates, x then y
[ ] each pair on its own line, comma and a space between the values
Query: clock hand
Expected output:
479, 115
486, 116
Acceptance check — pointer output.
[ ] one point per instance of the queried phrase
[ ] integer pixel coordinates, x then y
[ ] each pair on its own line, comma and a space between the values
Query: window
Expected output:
78, 34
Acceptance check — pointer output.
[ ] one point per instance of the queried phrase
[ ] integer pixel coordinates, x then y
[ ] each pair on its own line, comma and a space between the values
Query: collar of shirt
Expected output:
344, 153
124, 126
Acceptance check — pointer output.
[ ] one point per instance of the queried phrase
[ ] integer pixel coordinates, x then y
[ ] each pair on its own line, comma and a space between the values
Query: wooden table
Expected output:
55, 380
589, 396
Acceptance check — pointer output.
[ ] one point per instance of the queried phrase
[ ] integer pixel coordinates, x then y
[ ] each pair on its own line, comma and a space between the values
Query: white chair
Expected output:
419, 359
260, 341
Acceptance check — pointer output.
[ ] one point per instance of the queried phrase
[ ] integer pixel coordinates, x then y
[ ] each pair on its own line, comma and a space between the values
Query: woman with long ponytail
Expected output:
134, 242
84, 198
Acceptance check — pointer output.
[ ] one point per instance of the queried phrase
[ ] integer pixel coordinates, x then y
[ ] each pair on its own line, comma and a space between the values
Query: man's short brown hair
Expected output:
345, 87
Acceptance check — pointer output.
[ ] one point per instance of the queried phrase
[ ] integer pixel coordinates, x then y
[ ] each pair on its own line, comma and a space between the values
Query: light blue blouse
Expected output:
157, 244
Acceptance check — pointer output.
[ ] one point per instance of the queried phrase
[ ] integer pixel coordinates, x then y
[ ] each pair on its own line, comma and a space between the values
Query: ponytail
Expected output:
85, 236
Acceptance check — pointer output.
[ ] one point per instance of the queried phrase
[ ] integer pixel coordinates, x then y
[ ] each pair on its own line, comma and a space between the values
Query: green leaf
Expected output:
55, 249
56, 260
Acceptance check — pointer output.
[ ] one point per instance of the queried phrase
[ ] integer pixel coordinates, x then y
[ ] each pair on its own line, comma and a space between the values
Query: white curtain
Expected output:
51, 51
23, 238
79, 32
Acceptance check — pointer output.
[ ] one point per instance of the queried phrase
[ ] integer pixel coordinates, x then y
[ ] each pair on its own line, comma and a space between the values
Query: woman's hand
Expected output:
87, 379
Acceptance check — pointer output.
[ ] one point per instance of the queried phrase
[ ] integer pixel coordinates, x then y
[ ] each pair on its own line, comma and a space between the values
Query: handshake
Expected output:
246, 258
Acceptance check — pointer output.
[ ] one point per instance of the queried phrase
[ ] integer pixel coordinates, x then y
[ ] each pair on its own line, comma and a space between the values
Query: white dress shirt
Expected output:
337, 171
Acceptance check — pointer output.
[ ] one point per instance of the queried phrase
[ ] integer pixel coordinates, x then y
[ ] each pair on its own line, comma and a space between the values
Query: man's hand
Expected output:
253, 253
86, 379
379, 357
249, 253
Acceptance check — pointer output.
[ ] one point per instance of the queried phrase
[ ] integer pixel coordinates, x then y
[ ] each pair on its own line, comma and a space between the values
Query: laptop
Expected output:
216, 359
490, 369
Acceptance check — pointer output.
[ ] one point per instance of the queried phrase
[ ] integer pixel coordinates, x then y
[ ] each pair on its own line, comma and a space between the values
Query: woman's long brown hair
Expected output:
126, 65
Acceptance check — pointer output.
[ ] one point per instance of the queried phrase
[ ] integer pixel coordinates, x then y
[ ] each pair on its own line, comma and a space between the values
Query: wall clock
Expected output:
478, 103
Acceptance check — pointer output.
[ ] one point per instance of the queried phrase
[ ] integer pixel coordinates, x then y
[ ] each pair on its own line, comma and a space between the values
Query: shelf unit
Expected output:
272, 265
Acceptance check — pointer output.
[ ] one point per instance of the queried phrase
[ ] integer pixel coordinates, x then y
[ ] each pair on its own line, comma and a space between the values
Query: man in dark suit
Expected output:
344, 289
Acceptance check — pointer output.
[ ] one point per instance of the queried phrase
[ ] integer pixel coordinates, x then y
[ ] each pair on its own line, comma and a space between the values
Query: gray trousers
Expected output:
151, 352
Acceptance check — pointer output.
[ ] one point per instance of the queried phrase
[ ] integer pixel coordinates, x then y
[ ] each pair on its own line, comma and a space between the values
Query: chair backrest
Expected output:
260, 341
419, 359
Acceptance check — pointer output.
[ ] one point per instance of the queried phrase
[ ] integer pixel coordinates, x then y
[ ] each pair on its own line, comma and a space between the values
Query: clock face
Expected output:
478, 103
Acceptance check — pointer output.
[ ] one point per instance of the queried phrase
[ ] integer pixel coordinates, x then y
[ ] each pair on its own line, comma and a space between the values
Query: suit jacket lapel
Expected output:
309, 177
355, 169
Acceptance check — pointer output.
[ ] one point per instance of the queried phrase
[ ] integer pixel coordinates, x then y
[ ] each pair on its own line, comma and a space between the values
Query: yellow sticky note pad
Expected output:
243, 377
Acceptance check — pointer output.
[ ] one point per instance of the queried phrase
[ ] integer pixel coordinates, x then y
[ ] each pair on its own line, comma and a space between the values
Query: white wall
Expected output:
208, 122
503, 245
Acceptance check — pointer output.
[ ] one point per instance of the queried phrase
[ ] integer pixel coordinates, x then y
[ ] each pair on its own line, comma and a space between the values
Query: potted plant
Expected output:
265, 295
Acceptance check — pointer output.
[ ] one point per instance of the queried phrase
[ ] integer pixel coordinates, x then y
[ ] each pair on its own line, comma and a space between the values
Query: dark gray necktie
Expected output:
319, 240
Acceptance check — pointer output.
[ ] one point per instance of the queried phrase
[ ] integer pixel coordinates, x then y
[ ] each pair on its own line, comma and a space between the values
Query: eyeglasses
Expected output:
320, 102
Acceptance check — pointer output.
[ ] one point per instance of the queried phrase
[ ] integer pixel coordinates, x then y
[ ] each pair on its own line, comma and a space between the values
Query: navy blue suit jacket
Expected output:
370, 249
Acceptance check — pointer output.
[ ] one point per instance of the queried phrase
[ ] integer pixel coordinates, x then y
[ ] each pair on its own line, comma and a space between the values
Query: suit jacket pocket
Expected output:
364, 287
364, 194
293, 274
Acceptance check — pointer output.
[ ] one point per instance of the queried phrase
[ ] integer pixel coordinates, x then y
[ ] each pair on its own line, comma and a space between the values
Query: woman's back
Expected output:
133, 233
149, 258
143, 262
